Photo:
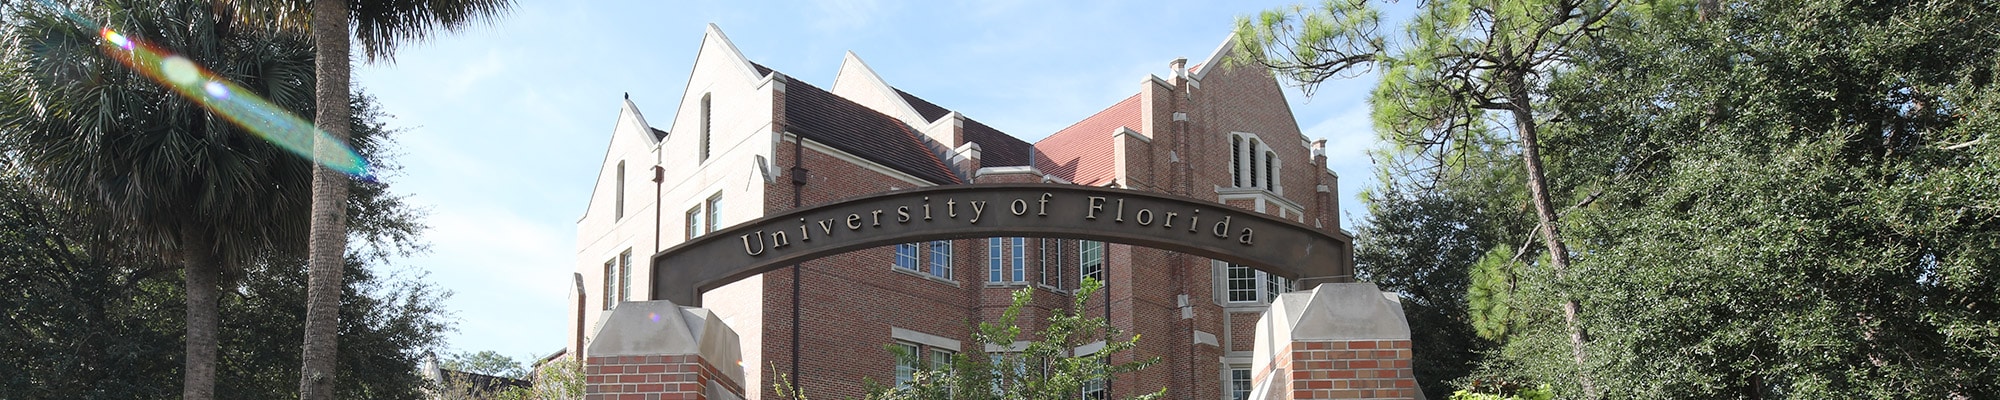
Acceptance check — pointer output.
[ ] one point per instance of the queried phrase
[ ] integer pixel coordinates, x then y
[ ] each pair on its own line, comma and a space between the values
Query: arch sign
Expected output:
1201, 228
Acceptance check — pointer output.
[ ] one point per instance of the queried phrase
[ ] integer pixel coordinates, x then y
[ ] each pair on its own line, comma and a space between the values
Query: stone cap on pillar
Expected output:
661, 328
1330, 312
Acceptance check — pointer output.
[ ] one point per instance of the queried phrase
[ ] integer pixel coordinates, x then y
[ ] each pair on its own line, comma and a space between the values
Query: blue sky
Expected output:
506, 123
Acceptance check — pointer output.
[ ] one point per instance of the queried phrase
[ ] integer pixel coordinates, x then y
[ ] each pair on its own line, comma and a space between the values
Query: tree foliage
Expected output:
1804, 202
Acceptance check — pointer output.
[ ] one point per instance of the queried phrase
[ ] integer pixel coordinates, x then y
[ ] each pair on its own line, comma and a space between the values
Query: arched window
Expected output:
705, 123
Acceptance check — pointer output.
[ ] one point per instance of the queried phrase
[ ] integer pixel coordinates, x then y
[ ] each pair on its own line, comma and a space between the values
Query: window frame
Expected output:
1247, 381
1087, 267
940, 261
693, 218
625, 276
909, 261
714, 215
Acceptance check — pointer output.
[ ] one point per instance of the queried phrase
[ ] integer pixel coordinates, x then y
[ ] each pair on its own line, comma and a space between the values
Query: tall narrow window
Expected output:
906, 363
994, 256
705, 124
625, 276
1235, 161
906, 256
1242, 283
694, 224
941, 259
1052, 263
1253, 162
1017, 259
1270, 171
1239, 383
1090, 259
620, 207
610, 283
714, 212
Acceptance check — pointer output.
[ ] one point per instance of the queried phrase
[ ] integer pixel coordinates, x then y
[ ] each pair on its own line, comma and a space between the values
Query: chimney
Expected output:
966, 159
1179, 65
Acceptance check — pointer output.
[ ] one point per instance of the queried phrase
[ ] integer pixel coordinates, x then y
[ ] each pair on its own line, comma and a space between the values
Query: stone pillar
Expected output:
655, 350
1336, 341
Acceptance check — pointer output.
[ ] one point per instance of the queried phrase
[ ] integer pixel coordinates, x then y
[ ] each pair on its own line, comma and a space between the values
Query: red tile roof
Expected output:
1081, 153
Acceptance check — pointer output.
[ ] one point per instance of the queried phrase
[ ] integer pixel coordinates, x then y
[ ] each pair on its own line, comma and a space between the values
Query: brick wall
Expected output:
664, 377
1346, 369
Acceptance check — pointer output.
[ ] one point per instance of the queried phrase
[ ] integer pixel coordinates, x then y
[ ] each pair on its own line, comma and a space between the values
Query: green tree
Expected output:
1423, 239
1807, 205
180, 181
381, 25
1466, 64
487, 362
86, 313
559, 379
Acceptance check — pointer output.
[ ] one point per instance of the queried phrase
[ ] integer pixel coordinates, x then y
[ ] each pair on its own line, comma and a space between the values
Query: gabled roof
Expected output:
1081, 153
840, 123
996, 149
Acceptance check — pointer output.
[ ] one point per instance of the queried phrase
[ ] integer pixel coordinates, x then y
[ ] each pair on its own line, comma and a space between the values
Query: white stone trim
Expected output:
923, 339
1089, 349
1206, 338
1016, 347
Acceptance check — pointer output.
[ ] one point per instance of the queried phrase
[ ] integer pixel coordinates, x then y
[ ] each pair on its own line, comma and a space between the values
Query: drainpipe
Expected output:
799, 180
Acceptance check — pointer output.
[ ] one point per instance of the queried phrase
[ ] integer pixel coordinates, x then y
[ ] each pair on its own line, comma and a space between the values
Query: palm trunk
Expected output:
202, 318
328, 245
1538, 192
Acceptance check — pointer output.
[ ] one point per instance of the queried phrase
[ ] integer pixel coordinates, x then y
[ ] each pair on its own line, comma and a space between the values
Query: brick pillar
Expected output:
655, 350
1337, 341
683, 377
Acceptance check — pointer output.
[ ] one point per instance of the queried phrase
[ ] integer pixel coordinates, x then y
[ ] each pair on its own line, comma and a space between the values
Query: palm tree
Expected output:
190, 185
381, 25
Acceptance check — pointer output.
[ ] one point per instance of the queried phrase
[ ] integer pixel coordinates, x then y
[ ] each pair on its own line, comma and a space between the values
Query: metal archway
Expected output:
1201, 228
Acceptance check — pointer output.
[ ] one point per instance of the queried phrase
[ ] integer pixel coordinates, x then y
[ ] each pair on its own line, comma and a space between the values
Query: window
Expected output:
714, 213
1253, 162
1006, 261
906, 363
1242, 283
694, 224
910, 257
1235, 161
1239, 383
906, 256
1090, 259
1094, 390
940, 359
1270, 171
610, 283
625, 276
941, 259
619, 209
1273, 286
705, 124
1052, 263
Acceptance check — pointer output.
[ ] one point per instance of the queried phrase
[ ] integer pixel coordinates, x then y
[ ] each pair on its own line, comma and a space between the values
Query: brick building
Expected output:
747, 141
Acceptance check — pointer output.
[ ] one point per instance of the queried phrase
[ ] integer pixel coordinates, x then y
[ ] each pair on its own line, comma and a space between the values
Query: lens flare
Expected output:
227, 100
